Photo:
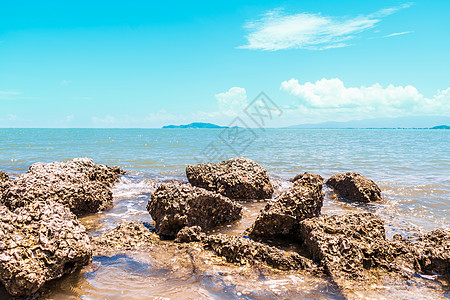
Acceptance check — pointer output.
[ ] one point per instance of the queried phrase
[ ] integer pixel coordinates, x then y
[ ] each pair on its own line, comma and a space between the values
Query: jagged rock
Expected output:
346, 245
129, 235
190, 234
82, 185
40, 242
242, 250
355, 187
237, 178
5, 182
174, 206
317, 177
281, 216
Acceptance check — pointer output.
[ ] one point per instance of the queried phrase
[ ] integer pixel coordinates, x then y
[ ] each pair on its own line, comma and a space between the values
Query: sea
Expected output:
411, 166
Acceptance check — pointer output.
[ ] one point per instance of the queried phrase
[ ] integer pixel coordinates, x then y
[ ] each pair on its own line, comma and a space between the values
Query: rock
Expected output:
432, 251
317, 177
281, 216
237, 178
82, 185
5, 182
243, 251
129, 235
355, 187
40, 242
190, 234
346, 245
174, 206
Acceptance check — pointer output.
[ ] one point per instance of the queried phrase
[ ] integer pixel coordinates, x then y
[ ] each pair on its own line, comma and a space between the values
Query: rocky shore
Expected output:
41, 238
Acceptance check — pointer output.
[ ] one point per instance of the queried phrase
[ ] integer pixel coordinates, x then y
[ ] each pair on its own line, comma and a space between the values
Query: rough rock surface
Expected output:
433, 251
246, 251
40, 242
281, 216
129, 235
306, 175
81, 184
5, 182
174, 206
236, 178
190, 234
346, 245
355, 187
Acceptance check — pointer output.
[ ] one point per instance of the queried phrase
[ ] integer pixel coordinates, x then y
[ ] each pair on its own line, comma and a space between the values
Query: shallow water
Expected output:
412, 168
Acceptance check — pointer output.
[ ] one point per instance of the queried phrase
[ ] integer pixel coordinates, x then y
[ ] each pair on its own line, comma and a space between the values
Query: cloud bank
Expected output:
277, 30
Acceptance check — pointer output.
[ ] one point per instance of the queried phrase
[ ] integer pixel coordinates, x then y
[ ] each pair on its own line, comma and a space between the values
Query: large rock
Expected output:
242, 250
5, 182
346, 245
237, 178
80, 184
281, 216
40, 242
174, 206
355, 187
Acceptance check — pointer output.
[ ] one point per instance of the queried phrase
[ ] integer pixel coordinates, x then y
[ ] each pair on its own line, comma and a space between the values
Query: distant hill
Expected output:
402, 122
196, 125
441, 127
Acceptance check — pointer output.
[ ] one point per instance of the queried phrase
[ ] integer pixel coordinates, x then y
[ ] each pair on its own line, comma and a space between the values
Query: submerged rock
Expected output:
40, 242
5, 182
242, 251
174, 206
355, 187
237, 178
80, 184
281, 216
346, 245
129, 235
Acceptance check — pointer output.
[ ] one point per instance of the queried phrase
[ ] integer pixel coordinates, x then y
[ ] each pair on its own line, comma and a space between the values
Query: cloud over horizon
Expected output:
277, 29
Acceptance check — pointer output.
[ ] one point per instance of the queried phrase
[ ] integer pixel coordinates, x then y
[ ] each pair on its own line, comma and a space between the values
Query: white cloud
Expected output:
106, 120
277, 30
331, 95
9, 95
397, 33
232, 102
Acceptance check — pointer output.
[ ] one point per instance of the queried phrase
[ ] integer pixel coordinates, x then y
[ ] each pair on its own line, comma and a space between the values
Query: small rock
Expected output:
317, 177
237, 178
174, 206
190, 234
355, 187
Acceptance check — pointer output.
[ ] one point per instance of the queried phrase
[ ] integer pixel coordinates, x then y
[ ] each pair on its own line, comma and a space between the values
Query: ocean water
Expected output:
412, 167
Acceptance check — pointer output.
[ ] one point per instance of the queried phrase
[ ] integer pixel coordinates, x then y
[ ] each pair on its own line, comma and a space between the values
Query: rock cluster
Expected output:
281, 216
39, 242
174, 206
355, 187
5, 182
80, 184
237, 178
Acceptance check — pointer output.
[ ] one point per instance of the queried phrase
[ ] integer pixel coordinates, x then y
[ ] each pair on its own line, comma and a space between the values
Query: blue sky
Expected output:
148, 63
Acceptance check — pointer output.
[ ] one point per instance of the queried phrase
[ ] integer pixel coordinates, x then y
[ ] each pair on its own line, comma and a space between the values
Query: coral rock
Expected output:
355, 187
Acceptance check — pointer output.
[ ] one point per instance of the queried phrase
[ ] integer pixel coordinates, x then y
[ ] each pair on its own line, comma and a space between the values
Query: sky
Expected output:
152, 63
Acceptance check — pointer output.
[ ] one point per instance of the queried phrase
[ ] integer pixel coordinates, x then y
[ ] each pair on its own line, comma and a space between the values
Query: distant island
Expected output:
196, 125
441, 127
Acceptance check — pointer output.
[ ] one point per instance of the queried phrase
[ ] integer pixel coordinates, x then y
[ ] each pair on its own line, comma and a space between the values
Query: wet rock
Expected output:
317, 177
346, 245
355, 187
190, 234
174, 206
243, 251
237, 178
82, 185
129, 235
5, 182
40, 242
281, 216
433, 251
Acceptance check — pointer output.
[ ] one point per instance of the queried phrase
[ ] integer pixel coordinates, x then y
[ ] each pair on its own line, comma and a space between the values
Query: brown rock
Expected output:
237, 178
317, 177
5, 182
355, 187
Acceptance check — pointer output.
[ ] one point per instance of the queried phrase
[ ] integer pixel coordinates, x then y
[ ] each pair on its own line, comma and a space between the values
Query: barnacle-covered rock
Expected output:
433, 251
174, 206
236, 178
81, 184
281, 216
355, 187
40, 242
317, 177
190, 234
129, 235
5, 182
243, 250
